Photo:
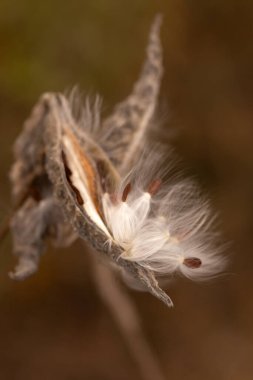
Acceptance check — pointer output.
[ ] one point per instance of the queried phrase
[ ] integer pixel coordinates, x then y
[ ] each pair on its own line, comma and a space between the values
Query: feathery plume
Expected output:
162, 227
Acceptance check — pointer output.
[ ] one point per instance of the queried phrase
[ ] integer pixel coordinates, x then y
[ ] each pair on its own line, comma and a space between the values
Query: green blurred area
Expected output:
54, 326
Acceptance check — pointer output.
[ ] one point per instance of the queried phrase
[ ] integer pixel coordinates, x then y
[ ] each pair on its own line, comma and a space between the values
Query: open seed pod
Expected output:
60, 178
75, 176
64, 165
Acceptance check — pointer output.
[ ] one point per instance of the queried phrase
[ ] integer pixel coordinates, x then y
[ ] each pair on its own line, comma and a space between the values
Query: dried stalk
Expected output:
127, 319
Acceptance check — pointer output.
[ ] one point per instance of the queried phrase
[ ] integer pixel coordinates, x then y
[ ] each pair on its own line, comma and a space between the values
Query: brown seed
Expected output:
154, 186
126, 191
192, 262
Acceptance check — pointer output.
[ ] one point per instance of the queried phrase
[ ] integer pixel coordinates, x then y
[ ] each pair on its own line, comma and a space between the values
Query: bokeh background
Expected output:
54, 325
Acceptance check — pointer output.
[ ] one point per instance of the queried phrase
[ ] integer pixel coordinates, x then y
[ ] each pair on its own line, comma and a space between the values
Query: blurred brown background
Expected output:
54, 325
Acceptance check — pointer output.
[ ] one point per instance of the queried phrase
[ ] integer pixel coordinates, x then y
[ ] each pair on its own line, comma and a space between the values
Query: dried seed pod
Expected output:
70, 196
124, 130
76, 178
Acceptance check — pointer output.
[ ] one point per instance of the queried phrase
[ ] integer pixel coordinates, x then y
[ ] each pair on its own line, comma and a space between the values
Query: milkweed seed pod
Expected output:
76, 176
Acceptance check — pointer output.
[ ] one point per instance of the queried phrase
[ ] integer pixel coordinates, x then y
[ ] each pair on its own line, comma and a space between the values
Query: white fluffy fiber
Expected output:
167, 232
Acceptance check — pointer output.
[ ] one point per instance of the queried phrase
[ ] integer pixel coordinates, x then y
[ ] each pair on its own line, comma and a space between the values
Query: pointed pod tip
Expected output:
170, 303
157, 22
